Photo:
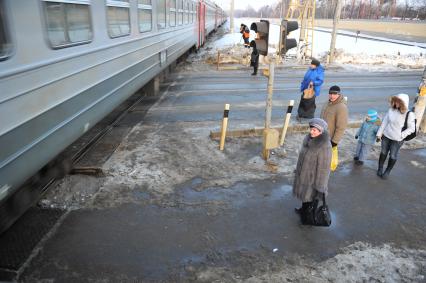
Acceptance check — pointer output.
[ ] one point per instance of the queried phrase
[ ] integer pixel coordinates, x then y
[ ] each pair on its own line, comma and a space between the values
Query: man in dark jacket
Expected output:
254, 60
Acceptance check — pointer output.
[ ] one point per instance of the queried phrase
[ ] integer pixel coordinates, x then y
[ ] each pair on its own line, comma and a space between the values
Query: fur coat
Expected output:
313, 167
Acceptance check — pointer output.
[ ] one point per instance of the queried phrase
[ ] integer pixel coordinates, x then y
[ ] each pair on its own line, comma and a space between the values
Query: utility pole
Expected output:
334, 32
232, 16
280, 43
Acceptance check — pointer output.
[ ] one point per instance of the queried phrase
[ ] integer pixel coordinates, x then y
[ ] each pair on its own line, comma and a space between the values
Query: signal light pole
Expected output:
287, 43
262, 30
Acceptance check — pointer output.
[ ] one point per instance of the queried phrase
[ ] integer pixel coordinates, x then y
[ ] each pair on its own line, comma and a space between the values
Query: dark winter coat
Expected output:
368, 131
254, 60
313, 167
313, 75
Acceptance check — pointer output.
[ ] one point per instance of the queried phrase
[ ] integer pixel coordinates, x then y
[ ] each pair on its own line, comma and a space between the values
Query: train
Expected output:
66, 64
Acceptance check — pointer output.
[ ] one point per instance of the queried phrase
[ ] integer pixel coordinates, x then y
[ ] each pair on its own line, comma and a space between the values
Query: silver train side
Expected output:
50, 97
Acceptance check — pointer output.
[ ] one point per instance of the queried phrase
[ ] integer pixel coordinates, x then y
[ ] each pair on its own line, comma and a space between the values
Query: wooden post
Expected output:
218, 58
334, 32
224, 126
269, 106
286, 122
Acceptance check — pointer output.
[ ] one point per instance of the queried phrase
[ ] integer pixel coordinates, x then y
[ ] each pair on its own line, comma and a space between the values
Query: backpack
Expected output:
412, 135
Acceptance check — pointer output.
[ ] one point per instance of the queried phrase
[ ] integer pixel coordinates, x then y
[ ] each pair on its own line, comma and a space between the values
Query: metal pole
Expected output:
334, 32
232, 17
269, 97
269, 106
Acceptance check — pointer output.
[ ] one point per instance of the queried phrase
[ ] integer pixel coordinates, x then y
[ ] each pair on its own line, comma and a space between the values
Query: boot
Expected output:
391, 163
382, 159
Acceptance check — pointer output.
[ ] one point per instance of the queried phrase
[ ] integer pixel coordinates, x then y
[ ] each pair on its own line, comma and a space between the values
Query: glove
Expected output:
356, 137
333, 144
378, 139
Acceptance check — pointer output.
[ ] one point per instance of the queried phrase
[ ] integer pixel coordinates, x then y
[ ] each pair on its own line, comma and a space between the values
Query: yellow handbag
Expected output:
334, 158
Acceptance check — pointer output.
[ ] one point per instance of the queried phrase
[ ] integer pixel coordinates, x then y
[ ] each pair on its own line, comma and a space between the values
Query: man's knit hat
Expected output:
334, 90
318, 123
372, 114
315, 62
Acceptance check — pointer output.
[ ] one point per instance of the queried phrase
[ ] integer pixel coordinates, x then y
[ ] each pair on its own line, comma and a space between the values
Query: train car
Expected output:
65, 64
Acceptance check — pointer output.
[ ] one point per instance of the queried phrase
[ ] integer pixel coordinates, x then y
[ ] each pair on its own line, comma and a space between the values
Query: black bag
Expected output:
316, 216
306, 107
412, 135
322, 214
308, 214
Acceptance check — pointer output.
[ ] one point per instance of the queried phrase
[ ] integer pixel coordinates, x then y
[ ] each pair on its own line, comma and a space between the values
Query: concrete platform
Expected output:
162, 243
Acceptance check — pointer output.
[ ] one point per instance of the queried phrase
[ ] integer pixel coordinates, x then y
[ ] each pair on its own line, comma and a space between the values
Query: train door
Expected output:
201, 11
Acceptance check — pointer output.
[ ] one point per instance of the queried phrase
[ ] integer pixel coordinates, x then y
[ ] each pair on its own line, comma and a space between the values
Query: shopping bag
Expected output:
309, 92
334, 158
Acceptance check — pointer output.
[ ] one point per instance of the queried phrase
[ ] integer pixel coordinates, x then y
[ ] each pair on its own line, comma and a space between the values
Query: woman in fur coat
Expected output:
392, 132
313, 165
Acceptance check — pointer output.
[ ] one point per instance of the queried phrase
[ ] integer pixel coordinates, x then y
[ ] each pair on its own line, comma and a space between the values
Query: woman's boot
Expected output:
391, 163
382, 159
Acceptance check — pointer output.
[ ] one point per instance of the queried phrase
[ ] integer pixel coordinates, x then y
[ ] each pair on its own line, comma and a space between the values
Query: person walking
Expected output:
311, 83
335, 113
366, 136
398, 123
313, 165
254, 59
245, 32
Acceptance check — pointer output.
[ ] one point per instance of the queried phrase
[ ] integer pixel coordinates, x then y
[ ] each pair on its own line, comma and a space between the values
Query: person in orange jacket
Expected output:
244, 30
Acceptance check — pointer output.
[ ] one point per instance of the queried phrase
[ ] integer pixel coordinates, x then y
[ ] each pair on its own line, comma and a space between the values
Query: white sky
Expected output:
242, 4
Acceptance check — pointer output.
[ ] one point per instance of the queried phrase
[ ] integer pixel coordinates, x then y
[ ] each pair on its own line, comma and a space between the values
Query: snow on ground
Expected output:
372, 52
358, 262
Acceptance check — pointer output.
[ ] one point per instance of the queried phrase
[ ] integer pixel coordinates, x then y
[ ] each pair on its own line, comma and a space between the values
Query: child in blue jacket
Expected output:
366, 136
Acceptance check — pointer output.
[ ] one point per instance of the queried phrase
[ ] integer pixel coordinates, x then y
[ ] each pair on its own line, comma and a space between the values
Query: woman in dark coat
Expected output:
254, 60
313, 165
314, 77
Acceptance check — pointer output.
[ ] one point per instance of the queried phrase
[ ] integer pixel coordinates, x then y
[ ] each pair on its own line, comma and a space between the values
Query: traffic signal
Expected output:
288, 43
261, 42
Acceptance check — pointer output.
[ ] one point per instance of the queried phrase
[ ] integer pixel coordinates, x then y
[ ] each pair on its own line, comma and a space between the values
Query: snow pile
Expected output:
359, 262
368, 52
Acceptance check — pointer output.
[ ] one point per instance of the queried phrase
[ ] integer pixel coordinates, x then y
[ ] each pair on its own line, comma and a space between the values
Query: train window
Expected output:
145, 15
186, 15
193, 13
68, 23
118, 17
5, 45
172, 14
180, 12
161, 14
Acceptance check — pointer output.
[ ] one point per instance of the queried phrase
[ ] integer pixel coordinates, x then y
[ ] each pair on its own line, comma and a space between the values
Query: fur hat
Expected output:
318, 123
315, 62
400, 102
334, 90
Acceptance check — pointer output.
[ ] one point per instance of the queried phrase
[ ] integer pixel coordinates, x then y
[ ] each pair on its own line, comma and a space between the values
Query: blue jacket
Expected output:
367, 133
313, 75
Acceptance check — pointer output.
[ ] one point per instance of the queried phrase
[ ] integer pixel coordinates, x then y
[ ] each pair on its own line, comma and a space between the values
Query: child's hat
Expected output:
372, 114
